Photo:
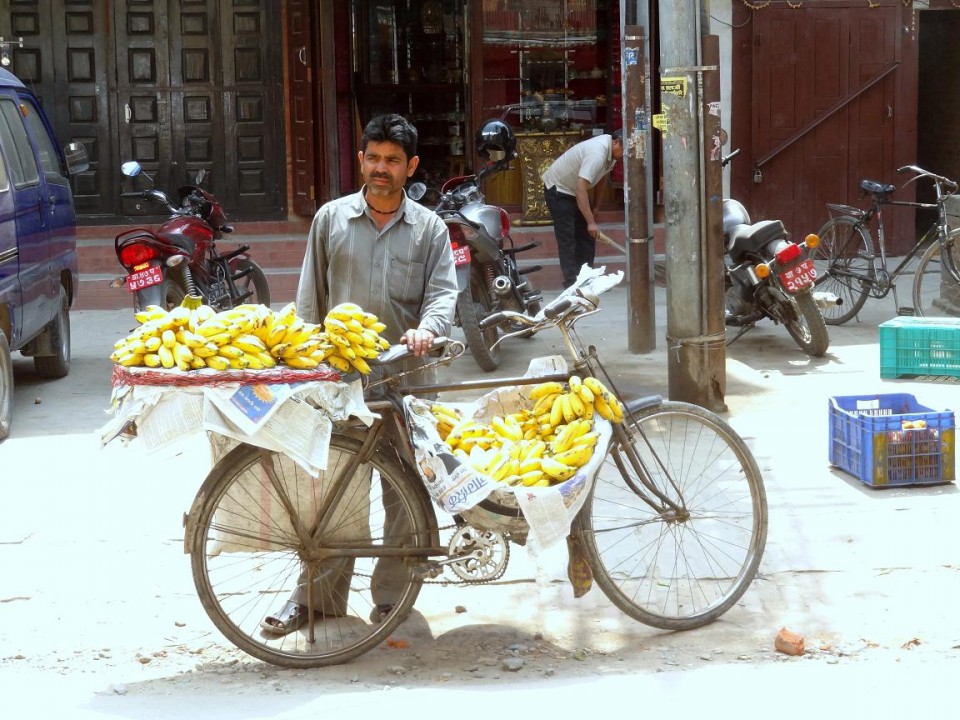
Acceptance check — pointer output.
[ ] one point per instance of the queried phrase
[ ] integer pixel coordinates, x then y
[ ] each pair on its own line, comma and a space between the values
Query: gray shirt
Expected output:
589, 159
403, 274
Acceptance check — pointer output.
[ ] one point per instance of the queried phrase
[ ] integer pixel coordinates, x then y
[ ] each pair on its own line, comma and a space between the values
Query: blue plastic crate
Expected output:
880, 440
920, 346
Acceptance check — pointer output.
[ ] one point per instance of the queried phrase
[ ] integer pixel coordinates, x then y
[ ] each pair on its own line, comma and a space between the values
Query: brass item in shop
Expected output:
535, 151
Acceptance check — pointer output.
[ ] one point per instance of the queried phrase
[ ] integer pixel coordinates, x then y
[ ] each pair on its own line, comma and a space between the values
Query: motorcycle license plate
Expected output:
797, 278
144, 278
461, 255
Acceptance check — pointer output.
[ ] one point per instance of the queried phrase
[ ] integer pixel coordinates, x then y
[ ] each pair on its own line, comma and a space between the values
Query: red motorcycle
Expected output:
161, 265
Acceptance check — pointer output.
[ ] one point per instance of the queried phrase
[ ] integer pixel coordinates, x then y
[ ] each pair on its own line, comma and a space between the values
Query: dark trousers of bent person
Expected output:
574, 244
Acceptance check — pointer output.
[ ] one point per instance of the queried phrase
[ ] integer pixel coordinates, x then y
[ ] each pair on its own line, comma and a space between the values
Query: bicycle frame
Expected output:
938, 231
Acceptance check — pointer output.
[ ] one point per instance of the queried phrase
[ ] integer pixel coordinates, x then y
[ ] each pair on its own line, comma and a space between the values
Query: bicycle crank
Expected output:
478, 555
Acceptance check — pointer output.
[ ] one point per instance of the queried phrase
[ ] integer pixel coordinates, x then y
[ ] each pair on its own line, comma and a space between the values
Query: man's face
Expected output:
617, 150
385, 167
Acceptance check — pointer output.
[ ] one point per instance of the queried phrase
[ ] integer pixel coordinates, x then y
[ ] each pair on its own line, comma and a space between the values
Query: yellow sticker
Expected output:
661, 122
674, 85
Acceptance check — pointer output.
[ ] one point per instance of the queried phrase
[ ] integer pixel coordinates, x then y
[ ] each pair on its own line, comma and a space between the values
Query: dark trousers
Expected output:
574, 244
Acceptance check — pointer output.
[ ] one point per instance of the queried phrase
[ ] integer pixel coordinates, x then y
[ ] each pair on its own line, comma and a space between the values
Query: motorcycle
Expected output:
769, 276
181, 256
488, 277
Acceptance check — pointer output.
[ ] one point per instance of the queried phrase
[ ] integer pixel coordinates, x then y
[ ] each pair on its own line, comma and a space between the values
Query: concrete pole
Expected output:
641, 307
696, 357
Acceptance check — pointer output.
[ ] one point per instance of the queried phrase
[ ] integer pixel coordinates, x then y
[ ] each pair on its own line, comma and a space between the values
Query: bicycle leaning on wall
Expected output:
849, 267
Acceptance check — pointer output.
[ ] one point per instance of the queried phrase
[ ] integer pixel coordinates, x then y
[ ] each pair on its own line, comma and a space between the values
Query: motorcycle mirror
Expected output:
131, 168
416, 191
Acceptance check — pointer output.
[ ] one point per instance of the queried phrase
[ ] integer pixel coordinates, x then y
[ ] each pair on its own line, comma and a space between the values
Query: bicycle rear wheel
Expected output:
678, 569
248, 551
844, 267
935, 292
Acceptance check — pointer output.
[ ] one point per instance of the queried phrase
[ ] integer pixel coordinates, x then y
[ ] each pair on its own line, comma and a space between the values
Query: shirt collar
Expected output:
359, 206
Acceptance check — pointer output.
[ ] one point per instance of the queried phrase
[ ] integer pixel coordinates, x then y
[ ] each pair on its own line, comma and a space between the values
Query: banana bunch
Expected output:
556, 403
194, 336
510, 449
355, 338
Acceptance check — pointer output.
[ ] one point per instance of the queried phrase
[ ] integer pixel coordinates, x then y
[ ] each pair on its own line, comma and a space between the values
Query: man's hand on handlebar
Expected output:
419, 342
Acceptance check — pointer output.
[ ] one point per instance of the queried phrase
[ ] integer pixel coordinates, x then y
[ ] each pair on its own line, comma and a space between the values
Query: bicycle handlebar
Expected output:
920, 172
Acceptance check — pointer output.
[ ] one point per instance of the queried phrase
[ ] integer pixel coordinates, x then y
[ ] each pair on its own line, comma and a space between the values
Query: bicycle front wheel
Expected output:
680, 560
844, 267
255, 543
936, 293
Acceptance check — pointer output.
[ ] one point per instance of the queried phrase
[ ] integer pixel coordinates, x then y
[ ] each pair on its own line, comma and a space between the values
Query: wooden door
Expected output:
65, 61
302, 52
827, 89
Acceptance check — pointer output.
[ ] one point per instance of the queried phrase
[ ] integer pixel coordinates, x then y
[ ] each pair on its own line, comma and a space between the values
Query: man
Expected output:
573, 186
391, 256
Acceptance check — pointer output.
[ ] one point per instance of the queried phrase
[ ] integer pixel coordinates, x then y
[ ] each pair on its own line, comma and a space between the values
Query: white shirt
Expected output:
590, 159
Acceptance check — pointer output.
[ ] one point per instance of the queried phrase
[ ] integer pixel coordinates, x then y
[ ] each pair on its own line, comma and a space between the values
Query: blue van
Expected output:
38, 249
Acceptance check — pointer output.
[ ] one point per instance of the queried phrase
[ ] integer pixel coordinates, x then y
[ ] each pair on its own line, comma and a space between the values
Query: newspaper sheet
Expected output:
291, 418
458, 488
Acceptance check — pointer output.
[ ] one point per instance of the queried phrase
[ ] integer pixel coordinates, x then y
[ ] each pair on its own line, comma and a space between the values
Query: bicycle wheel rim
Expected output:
841, 263
935, 292
682, 573
247, 558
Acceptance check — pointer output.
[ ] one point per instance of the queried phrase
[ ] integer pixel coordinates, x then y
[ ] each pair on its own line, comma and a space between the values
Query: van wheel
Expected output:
6, 386
57, 365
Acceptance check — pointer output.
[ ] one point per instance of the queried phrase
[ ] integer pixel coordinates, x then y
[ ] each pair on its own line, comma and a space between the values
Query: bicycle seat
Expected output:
880, 191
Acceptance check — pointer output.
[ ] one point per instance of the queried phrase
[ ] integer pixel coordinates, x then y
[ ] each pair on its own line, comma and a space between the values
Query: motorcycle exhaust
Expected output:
502, 285
825, 300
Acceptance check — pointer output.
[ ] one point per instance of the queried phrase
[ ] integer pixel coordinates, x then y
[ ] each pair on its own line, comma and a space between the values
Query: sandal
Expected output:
379, 613
292, 617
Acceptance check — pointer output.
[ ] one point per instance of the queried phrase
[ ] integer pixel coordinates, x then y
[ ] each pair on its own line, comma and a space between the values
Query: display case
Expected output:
549, 62
412, 64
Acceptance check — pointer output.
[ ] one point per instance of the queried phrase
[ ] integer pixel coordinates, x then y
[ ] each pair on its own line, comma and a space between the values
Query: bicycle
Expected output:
847, 265
673, 527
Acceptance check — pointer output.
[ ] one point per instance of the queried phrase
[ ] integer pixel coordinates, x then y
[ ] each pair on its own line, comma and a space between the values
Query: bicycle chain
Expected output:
461, 581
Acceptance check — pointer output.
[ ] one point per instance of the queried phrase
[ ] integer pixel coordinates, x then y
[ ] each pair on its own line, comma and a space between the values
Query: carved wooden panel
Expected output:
536, 151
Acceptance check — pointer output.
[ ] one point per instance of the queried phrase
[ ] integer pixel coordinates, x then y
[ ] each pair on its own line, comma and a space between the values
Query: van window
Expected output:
46, 148
22, 165
4, 180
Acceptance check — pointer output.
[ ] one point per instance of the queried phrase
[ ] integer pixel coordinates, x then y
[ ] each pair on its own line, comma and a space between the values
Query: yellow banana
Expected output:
557, 470
211, 327
217, 362
198, 363
567, 409
277, 331
556, 412
180, 315
287, 313
238, 363
575, 456
182, 354
151, 360
166, 357
574, 382
338, 363
169, 338
249, 343
337, 327
278, 350
150, 312
587, 440
206, 350
253, 361
531, 478
130, 359
361, 365
603, 409
231, 352
547, 388
544, 404
504, 429
585, 393
576, 404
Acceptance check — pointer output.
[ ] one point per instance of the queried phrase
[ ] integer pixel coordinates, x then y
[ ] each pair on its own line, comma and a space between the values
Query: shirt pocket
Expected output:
406, 281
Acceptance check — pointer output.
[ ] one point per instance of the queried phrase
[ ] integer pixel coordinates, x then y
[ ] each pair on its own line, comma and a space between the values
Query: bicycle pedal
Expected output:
906, 311
428, 571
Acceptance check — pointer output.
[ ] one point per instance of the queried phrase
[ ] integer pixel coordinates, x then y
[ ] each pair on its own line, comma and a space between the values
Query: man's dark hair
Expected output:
618, 134
391, 128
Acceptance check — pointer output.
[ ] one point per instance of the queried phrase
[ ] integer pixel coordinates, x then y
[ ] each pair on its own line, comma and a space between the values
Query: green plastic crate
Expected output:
871, 438
920, 346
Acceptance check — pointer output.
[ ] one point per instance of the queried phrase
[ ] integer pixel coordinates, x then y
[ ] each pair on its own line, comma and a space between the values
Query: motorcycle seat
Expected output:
751, 238
881, 191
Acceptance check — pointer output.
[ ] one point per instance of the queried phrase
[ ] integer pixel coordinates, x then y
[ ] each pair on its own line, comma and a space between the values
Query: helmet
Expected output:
496, 137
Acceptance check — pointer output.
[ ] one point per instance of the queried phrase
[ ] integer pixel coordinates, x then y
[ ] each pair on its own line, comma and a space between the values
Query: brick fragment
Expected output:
789, 642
